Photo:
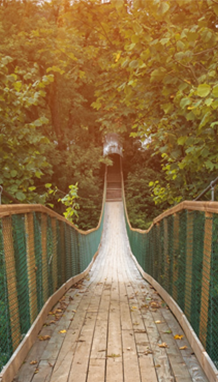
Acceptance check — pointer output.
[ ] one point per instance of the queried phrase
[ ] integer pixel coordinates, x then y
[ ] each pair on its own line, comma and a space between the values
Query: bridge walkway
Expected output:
112, 326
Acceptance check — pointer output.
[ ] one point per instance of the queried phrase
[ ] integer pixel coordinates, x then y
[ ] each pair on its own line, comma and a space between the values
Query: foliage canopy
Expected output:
71, 71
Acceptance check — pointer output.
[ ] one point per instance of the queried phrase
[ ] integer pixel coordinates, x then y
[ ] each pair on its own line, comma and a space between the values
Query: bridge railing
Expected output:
180, 252
39, 252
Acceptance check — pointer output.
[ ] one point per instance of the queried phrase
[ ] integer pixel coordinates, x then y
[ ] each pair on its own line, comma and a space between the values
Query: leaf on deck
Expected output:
163, 345
154, 305
34, 362
52, 322
44, 338
178, 337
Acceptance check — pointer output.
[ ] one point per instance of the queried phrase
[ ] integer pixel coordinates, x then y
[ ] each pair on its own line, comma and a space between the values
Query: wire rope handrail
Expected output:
209, 187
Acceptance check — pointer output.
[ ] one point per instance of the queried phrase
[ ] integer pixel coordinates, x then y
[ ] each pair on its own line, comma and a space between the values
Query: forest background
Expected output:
72, 71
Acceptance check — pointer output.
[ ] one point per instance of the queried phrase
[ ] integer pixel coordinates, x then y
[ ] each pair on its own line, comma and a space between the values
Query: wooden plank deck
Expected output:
112, 326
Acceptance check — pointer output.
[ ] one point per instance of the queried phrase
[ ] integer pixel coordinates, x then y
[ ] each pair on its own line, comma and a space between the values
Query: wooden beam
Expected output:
175, 255
44, 257
54, 260
189, 259
166, 253
31, 266
11, 281
205, 286
63, 254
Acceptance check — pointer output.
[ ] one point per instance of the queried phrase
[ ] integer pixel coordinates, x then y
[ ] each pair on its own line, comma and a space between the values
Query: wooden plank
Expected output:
80, 362
11, 281
146, 367
189, 255
160, 358
189, 358
125, 316
27, 370
74, 336
131, 371
97, 364
146, 362
31, 266
205, 287
96, 370
178, 366
114, 364
43, 372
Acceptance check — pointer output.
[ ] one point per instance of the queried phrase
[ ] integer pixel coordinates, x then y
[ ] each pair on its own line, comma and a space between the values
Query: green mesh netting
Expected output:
6, 347
38, 253
181, 253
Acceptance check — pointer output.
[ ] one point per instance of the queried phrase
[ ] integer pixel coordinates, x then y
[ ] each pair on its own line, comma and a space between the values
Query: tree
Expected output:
163, 78
51, 129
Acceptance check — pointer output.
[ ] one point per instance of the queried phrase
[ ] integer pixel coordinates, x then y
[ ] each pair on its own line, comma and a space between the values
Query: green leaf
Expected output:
48, 185
180, 45
119, 4
13, 173
185, 102
163, 8
181, 141
203, 90
164, 41
18, 85
5, 60
158, 74
134, 64
167, 107
214, 124
20, 196
205, 119
215, 8
190, 116
38, 174
125, 63
209, 101
209, 165
215, 91
215, 105
212, 73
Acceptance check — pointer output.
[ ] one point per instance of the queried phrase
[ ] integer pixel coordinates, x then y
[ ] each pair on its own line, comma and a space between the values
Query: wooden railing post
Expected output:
205, 286
189, 259
175, 255
44, 257
31, 266
63, 253
157, 253
54, 260
166, 254
11, 281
